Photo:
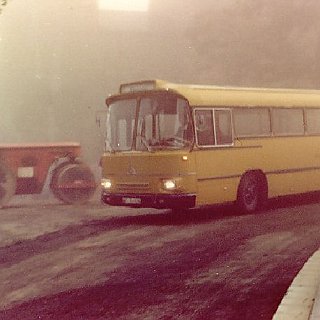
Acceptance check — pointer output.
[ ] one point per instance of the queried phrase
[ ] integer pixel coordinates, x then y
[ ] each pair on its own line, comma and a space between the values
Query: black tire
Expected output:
73, 183
252, 192
8, 184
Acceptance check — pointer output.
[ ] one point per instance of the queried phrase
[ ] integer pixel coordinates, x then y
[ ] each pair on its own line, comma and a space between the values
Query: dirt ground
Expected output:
98, 262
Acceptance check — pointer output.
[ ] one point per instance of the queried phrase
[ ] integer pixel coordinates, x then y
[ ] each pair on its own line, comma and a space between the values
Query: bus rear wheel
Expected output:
8, 184
252, 192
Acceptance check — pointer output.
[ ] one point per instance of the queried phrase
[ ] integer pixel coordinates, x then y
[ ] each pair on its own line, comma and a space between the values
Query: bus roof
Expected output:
209, 95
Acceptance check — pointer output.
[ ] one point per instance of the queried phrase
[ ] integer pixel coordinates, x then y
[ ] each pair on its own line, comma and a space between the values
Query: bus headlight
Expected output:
106, 183
169, 184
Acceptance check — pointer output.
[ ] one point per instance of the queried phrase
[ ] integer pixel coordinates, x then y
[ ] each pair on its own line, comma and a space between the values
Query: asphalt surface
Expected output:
98, 262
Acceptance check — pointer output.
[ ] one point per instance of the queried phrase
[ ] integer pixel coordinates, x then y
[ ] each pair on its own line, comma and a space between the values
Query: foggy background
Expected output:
60, 59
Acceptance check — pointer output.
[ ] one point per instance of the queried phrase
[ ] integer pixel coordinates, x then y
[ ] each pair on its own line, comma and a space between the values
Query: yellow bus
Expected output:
179, 146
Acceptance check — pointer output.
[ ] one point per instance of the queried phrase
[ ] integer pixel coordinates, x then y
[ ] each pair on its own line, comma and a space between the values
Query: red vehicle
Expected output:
27, 168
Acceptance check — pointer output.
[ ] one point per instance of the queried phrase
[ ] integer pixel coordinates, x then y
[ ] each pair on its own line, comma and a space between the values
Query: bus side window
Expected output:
204, 127
313, 121
223, 127
252, 122
287, 122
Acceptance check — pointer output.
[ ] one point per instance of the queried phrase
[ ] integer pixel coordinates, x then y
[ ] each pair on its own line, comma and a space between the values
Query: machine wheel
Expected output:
8, 183
252, 192
73, 183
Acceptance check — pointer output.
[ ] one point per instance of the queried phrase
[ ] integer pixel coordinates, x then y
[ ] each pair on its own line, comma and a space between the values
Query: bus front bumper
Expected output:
158, 201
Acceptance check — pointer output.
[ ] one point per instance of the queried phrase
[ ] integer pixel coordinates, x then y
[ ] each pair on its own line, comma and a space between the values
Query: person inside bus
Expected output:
204, 128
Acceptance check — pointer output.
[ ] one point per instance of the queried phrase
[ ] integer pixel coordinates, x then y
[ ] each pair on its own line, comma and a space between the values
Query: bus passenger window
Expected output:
313, 121
287, 121
204, 127
223, 127
251, 122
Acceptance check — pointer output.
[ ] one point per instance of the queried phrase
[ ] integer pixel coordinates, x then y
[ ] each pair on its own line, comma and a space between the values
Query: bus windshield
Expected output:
149, 123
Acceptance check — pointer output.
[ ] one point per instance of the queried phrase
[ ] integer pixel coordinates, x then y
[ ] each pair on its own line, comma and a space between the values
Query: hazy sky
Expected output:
60, 59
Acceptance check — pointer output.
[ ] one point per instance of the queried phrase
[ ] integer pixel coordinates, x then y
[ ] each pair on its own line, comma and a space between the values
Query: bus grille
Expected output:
132, 186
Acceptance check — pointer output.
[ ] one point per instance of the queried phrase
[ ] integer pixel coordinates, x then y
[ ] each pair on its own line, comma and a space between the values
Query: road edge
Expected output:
302, 299
315, 314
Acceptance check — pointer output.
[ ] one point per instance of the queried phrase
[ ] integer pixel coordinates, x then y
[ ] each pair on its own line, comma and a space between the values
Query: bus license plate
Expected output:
126, 200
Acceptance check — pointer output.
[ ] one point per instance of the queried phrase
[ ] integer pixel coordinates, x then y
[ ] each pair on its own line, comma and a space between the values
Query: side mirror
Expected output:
101, 117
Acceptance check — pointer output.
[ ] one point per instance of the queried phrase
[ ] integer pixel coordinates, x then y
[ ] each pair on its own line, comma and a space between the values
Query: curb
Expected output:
302, 299
315, 314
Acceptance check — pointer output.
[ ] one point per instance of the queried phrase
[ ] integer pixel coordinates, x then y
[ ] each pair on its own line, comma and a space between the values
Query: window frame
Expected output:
213, 110
271, 114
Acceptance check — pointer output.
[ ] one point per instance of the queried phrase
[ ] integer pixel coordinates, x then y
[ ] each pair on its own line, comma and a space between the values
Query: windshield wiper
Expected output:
170, 142
145, 143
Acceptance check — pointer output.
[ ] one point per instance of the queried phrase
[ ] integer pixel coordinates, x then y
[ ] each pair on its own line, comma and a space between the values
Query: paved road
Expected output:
96, 262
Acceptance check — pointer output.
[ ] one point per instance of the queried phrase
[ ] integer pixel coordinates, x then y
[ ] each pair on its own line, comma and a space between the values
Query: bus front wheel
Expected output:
252, 192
